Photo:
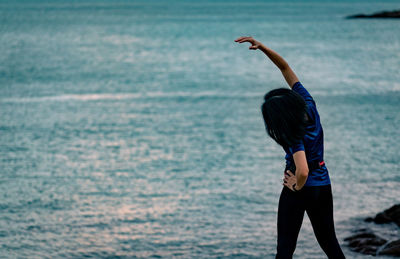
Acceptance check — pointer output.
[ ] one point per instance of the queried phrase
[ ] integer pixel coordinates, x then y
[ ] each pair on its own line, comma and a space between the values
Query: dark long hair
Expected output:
284, 113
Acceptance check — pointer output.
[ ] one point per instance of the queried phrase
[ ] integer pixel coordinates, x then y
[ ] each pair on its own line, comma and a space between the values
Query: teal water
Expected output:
133, 129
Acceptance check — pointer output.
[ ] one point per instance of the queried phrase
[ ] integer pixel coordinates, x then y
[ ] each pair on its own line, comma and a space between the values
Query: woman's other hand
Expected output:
254, 44
289, 180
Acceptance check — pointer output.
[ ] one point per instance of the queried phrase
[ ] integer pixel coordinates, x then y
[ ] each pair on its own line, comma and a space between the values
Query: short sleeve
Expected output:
299, 88
297, 147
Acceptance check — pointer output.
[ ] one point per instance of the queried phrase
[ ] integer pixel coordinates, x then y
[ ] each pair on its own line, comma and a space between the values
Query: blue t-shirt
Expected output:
312, 142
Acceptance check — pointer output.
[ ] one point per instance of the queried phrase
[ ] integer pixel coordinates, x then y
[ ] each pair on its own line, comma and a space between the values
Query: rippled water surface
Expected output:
133, 129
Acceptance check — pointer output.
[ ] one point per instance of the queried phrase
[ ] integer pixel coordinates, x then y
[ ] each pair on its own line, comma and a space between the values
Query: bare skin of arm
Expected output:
287, 72
299, 157
301, 171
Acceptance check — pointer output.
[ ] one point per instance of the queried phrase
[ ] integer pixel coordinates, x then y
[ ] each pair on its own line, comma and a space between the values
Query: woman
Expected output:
292, 120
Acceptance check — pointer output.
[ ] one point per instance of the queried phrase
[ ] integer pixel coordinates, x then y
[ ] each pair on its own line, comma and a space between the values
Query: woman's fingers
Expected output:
289, 179
254, 44
242, 38
289, 173
239, 39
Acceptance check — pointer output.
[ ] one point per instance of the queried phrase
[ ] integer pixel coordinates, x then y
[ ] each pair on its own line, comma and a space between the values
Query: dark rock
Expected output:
365, 241
382, 218
393, 248
360, 236
390, 215
369, 219
384, 14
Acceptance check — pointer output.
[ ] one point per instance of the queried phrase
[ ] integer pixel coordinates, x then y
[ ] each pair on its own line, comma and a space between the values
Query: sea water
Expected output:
133, 128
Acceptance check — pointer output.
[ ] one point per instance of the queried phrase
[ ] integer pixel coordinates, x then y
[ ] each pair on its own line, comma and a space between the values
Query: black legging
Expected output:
317, 202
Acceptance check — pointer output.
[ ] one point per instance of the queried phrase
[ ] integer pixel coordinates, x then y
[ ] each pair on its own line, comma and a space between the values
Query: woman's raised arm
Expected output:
287, 72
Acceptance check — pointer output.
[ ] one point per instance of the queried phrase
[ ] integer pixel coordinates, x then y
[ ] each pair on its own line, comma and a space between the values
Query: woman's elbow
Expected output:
303, 172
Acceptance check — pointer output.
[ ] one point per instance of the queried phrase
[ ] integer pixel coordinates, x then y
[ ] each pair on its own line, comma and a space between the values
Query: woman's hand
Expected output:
289, 180
287, 72
254, 44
